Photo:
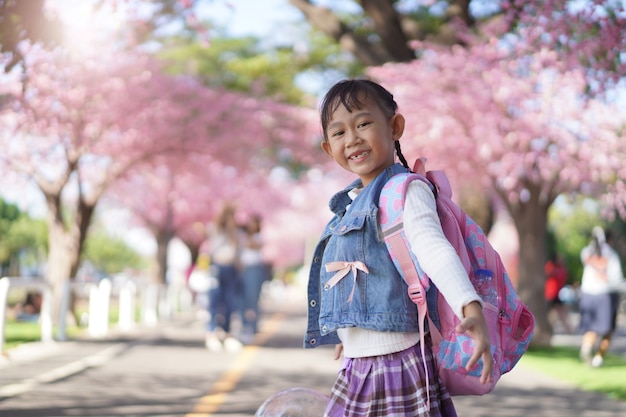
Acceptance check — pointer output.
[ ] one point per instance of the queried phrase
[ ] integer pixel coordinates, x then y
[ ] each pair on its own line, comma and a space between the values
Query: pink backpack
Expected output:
510, 322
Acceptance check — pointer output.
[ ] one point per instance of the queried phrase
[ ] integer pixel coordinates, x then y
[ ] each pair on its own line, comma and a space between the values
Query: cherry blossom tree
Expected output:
520, 126
590, 34
236, 162
83, 126
73, 127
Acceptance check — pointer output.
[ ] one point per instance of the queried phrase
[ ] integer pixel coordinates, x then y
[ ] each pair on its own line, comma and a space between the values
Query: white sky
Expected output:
249, 17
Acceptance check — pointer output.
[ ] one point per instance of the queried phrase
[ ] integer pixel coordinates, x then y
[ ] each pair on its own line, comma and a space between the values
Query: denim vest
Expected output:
376, 300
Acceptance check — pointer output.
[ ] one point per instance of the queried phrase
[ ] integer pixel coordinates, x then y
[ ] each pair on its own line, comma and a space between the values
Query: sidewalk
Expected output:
523, 392
32, 364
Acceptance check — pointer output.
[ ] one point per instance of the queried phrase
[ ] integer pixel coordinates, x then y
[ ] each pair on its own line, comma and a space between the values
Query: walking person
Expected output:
224, 254
599, 299
254, 273
356, 298
556, 278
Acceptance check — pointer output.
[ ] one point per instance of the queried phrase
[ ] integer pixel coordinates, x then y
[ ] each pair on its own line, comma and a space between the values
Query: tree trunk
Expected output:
531, 220
62, 255
388, 27
163, 239
65, 246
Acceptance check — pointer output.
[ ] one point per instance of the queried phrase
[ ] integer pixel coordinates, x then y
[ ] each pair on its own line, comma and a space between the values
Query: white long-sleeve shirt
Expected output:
439, 261
601, 280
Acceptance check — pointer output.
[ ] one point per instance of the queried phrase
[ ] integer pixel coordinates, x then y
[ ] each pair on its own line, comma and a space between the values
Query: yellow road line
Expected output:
227, 382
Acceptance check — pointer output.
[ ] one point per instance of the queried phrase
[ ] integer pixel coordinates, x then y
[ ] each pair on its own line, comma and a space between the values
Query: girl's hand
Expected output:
338, 350
474, 324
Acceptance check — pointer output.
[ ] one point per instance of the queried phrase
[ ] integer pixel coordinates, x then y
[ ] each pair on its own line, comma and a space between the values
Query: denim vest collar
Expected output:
341, 200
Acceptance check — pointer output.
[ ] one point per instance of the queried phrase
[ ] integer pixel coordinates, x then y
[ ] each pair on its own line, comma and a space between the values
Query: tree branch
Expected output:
388, 27
327, 22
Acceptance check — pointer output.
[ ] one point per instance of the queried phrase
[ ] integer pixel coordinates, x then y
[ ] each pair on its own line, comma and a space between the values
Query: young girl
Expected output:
368, 313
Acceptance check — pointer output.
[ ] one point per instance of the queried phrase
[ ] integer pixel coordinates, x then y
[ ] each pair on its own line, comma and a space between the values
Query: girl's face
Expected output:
362, 141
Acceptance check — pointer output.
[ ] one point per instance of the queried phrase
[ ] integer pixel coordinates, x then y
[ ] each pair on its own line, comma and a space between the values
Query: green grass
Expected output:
563, 363
19, 332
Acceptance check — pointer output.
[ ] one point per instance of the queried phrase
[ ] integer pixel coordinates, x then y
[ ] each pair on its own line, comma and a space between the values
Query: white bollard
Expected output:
94, 311
185, 300
104, 290
127, 306
5, 283
99, 298
164, 307
45, 314
149, 298
172, 291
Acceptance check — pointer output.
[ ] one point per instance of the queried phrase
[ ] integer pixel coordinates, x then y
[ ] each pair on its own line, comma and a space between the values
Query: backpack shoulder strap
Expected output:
391, 211
391, 207
419, 167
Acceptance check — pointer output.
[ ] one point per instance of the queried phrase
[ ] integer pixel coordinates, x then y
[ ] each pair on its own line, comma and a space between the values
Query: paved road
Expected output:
166, 371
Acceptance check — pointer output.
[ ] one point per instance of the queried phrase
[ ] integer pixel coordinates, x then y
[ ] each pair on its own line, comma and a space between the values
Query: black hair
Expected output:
350, 94
598, 238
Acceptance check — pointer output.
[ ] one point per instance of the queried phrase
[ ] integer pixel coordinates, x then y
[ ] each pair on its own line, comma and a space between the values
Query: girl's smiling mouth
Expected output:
358, 155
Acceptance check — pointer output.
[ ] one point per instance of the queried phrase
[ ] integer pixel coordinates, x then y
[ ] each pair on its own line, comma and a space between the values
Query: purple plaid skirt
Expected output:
392, 385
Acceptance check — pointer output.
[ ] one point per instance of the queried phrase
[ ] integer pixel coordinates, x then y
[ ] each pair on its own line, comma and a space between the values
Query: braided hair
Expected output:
347, 93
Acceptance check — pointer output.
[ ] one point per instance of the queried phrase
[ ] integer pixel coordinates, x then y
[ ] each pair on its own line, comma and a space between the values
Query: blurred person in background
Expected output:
29, 309
254, 273
556, 278
224, 251
599, 299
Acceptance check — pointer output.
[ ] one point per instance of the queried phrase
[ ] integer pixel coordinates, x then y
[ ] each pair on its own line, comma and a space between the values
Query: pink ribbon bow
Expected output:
343, 268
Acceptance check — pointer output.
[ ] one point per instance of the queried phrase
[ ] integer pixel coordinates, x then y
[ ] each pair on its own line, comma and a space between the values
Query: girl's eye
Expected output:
337, 134
363, 124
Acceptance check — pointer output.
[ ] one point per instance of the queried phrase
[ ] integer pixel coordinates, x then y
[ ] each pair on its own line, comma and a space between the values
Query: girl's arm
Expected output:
440, 261
434, 253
